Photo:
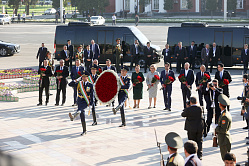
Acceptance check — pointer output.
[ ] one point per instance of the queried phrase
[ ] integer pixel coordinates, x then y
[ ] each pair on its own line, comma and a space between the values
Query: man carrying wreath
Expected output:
85, 99
167, 78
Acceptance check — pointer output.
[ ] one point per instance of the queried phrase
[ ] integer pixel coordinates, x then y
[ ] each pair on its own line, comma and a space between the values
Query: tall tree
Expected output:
211, 5
189, 4
56, 4
14, 4
168, 4
231, 5
97, 5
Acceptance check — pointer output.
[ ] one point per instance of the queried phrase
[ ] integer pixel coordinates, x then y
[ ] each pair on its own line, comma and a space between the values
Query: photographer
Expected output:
212, 92
245, 98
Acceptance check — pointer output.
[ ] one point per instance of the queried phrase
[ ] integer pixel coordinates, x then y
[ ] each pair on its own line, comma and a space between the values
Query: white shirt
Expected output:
93, 48
214, 49
186, 72
65, 52
108, 67
136, 46
166, 72
45, 67
61, 67
113, 17
23, 15
186, 159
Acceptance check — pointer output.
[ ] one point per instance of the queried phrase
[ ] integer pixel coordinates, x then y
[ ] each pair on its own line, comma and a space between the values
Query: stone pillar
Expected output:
118, 5
161, 6
197, 5
132, 5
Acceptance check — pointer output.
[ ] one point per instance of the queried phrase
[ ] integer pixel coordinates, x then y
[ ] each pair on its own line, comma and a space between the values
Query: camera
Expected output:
211, 85
243, 99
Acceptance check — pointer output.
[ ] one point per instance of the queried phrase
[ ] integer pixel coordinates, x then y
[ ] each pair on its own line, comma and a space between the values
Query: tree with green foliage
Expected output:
189, 4
168, 4
56, 4
97, 5
231, 5
211, 5
14, 4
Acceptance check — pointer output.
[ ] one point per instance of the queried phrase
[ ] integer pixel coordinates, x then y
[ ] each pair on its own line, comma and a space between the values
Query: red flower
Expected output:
134, 84
100, 71
180, 76
42, 69
79, 73
207, 76
140, 79
58, 71
225, 81
171, 79
157, 77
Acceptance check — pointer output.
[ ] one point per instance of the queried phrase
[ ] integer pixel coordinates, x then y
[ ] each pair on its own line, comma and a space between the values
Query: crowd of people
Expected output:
214, 91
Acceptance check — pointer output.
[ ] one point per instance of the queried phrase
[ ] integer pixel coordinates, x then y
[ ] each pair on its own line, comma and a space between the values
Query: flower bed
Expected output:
17, 73
7, 95
36, 88
35, 79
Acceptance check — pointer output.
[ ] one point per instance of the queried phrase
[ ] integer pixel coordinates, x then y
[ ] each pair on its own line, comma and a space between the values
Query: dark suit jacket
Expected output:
63, 54
70, 49
210, 94
127, 82
48, 72
193, 161
182, 53
97, 51
192, 53
42, 54
199, 77
163, 77
226, 75
65, 74
89, 91
244, 56
74, 73
148, 52
204, 54
133, 49
217, 54
86, 55
190, 77
112, 68
168, 57
194, 117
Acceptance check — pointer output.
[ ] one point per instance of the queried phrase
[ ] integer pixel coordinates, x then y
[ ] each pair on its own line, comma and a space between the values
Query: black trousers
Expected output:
197, 137
148, 62
121, 101
46, 86
186, 93
212, 63
75, 93
83, 119
93, 110
61, 87
67, 63
210, 113
245, 66
40, 64
133, 60
167, 96
191, 61
180, 65
200, 94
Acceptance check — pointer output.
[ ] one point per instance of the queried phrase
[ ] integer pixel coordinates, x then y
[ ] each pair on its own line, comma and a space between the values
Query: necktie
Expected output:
201, 74
220, 75
61, 68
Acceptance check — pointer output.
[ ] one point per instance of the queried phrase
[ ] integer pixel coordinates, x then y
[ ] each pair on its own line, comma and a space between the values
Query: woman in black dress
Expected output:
137, 79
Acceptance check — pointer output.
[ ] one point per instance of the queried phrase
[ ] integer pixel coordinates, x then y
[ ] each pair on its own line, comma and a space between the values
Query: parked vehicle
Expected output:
5, 18
8, 48
50, 11
230, 40
97, 20
48, 2
82, 34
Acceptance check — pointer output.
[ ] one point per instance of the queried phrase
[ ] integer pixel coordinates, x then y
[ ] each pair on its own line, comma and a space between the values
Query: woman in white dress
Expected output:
152, 86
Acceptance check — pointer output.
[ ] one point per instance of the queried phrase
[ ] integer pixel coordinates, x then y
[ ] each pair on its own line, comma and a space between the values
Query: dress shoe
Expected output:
50, 94
138, 106
39, 104
165, 108
245, 127
122, 125
114, 111
154, 107
83, 133
134, 106
74, 104
149, 107
169, 109
70, 116
94, 123
46, 103
62, 104
56, 104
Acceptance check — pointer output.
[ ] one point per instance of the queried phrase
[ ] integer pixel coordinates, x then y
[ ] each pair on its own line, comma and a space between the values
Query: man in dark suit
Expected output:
41, 54
167, 88
167, 55
190, 150
85, 99
118, 54
212, 93
205, 55
194, 124
70, 48
201, 86
88, 57
61, 81
214, 56
74, 77
222, 74
181, 55
135, 51
148, 53
96, 62
94, 77
192, 53
95, 49
44, 82
122, 96
109, 66
187, 86
245, 57
65, 55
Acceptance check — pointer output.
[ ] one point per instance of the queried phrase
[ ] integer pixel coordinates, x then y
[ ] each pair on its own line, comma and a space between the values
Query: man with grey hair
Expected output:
95, 49
205, 55
214, 56
194, 123
190, 149
245, 57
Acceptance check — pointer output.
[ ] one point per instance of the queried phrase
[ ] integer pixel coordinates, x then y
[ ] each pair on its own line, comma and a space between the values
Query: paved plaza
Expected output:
44, 135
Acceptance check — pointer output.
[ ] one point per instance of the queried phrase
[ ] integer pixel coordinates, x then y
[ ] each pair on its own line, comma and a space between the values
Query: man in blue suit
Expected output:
245, 57
85, 99
167, 54
167, 89
95, 49
187, 86
122, 94
202, 86
74, 76
192, 50
88, 57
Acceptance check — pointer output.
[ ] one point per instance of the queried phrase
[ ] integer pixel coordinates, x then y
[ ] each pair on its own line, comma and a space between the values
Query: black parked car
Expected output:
105, 36
8, 48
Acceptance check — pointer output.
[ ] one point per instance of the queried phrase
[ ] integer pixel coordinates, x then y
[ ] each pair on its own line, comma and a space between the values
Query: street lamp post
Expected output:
225, 10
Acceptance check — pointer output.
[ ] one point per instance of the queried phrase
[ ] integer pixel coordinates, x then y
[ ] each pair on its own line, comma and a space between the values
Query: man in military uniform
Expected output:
174, 142
85, 99
93, 78
123, 94
224, 125
118, 53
